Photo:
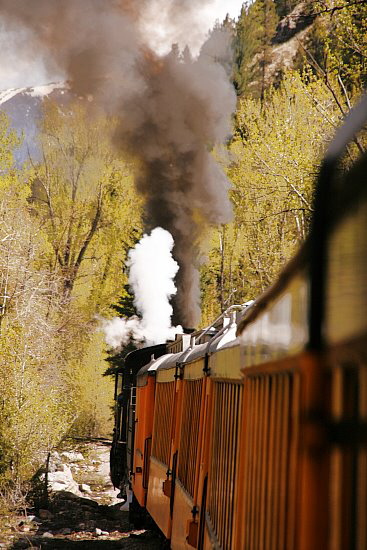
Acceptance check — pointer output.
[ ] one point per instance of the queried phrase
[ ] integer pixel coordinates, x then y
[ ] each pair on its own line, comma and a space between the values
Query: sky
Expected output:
21, 68
164, 33
222, 7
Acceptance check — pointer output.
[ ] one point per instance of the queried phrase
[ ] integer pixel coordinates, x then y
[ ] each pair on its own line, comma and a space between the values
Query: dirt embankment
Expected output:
82, 510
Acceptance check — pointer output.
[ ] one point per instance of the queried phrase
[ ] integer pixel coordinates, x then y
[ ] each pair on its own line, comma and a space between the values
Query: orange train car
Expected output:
145, 394
122, 450
258, 425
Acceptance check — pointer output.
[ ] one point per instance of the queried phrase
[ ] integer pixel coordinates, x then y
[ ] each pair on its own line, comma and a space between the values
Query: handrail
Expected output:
234, 307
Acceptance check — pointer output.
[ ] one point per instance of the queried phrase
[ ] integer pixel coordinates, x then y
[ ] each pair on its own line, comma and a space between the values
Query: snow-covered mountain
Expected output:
23, 107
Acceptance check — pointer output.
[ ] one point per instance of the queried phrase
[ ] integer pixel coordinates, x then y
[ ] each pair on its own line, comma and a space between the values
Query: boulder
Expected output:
62, 480
72, 456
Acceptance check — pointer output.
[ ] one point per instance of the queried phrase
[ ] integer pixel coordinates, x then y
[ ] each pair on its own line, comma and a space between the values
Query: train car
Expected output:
254, 436
171, 405
145, 399
178, 466
303, 459
164, 443
217, 513
192, 459
277, 376
121, 455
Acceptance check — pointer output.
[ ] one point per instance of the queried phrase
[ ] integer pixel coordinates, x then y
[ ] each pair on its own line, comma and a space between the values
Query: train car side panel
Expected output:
346, 280
225, 422
281, 326
346, 360
143, 437
157, 501
189, 458
163, 456
181, 517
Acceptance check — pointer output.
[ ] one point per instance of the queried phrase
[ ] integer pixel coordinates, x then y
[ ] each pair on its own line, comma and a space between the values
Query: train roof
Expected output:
139, 357
150, 368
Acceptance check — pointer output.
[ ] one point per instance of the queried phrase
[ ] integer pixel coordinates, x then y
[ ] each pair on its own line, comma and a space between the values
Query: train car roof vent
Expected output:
181, 343
226, 321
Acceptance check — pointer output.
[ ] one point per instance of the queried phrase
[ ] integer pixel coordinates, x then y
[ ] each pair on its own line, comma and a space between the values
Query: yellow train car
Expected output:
181, 437
194, 432
223, 425
277, 375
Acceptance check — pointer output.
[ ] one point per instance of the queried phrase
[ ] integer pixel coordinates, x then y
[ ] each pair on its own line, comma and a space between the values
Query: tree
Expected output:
65, 226
284, 7
278, 150
83, 195
269, 20
342, 44
247, 43
8, 141
252, 46
31, 381
275, 155
337, 51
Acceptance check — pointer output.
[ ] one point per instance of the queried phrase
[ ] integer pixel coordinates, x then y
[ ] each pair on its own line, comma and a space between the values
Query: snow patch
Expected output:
42, 91
6, 95
36, 91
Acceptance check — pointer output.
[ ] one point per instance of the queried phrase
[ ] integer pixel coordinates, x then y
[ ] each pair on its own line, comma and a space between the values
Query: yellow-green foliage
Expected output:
65, 227
83, 194
8, 140
223, 278
33, 409
92, 393
342, 32
275, 155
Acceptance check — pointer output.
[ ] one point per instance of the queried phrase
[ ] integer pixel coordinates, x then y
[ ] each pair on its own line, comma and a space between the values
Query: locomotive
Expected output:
252, 433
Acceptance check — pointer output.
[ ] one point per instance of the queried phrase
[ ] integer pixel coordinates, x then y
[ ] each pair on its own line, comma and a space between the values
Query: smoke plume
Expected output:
151, 273
173, 109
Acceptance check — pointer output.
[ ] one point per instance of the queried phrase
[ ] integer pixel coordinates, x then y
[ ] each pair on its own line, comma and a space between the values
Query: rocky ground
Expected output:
82, 510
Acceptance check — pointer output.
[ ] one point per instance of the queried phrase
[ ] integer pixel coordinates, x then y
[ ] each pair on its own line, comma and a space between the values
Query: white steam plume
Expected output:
151, 276
119, 331
152, 270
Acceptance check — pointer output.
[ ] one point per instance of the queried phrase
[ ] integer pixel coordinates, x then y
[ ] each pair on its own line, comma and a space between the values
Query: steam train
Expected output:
252, 434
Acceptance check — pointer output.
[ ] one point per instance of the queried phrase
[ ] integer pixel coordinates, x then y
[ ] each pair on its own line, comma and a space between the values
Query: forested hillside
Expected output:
68, 221
298, 69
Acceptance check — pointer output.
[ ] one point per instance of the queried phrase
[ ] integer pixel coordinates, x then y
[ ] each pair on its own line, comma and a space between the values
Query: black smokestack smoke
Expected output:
173, 111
